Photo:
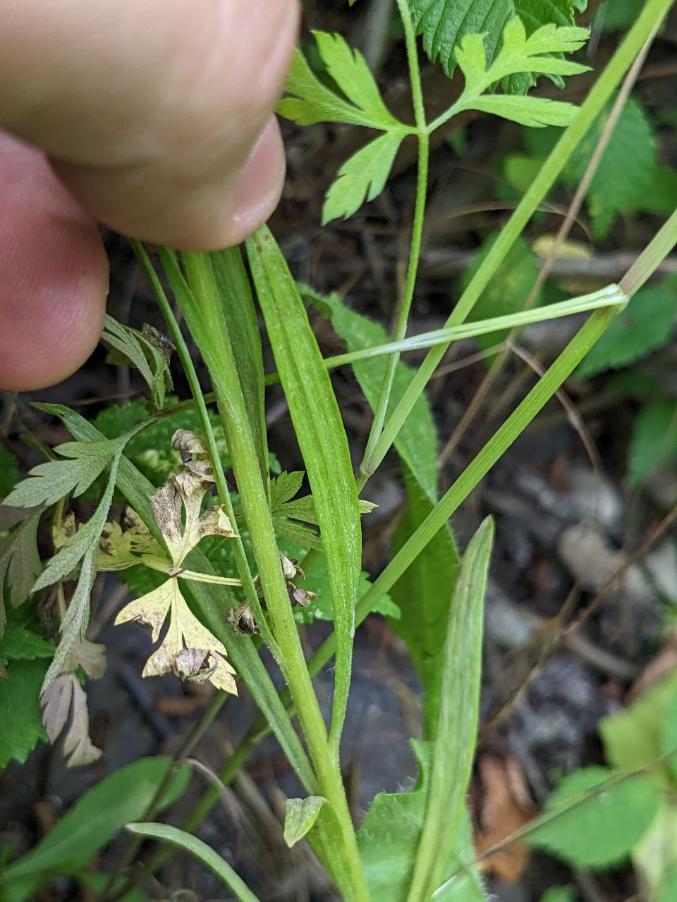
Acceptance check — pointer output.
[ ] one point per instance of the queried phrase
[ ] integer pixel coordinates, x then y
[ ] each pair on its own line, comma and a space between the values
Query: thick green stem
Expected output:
201, 308
653, 12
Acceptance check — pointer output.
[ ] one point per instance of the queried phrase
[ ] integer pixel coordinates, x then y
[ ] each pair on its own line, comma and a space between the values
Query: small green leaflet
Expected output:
519, 54
148, 351
362, 177
444, 23
307, 100
645, 324
300, 816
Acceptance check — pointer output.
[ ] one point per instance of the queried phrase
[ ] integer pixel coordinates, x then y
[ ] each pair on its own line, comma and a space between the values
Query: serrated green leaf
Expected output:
633, 737
308, 101
645, 324
322, 440
146, 355
349, 70
201, 851
388, 839
9, 471
444, 23
604, 826
49, 482
284, 487
455, 732
21, 715
300, 816
625, 170
423, 594
20, 643
362, 177
92, 823
653, 443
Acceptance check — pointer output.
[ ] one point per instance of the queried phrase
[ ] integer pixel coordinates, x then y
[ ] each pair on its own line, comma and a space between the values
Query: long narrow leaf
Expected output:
201, 851
322, 440
457, 718
239, 312
208, 601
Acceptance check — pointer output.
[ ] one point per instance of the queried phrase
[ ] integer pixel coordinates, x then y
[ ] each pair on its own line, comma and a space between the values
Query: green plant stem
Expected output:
222, 489
201, 307
400, 329
651, 257
653, 12
508, 432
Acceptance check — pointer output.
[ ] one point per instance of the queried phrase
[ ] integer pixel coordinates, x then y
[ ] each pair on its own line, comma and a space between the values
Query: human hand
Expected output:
153, 117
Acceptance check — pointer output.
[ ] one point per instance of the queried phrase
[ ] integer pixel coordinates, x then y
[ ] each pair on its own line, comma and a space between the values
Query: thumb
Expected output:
155, 113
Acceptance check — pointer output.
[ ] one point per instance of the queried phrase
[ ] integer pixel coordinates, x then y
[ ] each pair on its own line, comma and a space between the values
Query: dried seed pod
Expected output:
241, 618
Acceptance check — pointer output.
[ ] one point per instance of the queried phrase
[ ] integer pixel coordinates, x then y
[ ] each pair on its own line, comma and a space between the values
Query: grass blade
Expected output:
457, 717
323, 443
200, 850
239, 312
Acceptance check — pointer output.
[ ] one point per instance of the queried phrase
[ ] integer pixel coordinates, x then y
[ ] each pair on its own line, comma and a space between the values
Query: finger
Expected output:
151, 110
53, 274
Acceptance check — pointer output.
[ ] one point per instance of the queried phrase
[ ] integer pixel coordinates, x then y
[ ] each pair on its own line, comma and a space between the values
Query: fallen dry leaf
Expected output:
504, 808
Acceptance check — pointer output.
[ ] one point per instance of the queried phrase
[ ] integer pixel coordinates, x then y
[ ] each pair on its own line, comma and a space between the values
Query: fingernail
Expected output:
259, 186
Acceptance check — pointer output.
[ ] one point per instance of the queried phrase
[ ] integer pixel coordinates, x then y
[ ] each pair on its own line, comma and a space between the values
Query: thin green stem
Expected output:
651, 257
200, 305
509, 431
653, 12
400, 329
222, 489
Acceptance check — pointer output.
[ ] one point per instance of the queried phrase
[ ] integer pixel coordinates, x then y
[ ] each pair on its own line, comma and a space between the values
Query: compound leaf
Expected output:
444, 23
519, 54
362, 177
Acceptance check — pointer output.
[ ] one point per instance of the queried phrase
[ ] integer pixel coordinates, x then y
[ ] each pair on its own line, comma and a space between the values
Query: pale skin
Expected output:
152, 117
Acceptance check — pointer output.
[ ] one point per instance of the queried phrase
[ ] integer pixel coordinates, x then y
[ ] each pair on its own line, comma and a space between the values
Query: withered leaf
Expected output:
64, 703
207, 658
